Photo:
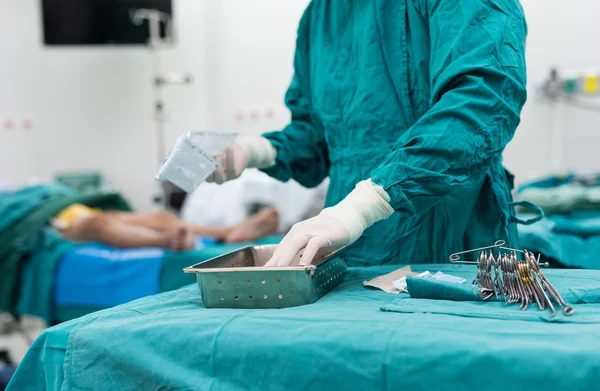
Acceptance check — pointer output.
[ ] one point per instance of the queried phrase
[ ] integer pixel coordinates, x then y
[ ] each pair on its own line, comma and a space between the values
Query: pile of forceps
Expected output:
515, 280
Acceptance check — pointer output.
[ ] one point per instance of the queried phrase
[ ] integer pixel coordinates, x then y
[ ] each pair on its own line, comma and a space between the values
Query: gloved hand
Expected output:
244, 152
334, 227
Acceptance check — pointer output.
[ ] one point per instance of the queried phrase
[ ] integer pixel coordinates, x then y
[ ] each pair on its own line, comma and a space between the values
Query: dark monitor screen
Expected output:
97, 22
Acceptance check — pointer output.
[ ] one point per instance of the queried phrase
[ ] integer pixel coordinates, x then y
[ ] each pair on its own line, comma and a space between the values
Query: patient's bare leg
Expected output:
167, 222
159, 221
104, 228
256, 227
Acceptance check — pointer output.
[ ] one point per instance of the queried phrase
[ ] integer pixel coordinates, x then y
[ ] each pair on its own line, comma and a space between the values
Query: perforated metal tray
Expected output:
240, 280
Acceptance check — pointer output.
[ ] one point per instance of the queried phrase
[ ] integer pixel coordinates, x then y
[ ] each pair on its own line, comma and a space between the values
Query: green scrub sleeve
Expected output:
477, 83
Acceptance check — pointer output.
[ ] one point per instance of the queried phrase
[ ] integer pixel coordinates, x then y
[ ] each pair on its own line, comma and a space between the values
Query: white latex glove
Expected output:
334, 227
244, 152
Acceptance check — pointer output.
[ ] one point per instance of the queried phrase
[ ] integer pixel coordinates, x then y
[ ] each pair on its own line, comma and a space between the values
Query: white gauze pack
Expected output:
191, 160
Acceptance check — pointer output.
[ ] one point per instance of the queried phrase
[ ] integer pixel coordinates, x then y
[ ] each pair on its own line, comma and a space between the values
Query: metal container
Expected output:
239, 279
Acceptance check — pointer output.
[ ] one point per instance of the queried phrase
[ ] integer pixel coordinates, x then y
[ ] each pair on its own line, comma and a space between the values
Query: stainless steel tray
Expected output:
239, 279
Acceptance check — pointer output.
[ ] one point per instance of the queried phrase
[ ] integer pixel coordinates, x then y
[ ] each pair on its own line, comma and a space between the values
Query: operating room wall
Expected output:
91, 108
561, 34
251, 48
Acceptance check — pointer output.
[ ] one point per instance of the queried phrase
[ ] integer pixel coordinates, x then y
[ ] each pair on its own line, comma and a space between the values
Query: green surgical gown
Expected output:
422, 96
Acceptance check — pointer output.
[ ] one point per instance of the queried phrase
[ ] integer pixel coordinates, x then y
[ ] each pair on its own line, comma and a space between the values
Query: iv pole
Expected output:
160, 79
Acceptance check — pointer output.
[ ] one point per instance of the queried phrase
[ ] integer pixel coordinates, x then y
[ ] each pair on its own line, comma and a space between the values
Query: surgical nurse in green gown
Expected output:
407, 106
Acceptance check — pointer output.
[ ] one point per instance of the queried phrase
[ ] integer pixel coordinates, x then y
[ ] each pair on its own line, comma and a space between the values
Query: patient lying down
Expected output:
80, 223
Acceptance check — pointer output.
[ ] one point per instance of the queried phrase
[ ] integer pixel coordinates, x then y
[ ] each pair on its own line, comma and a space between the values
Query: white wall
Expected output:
251, 48
562, 34
92, 107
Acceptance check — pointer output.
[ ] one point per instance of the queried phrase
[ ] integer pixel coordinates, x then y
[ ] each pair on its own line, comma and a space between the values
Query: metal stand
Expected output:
155, 44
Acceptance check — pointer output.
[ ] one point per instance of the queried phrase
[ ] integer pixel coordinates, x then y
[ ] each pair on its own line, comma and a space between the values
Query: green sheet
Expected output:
575, 287
28, 246
439, 297
492, 310
571, 250
342, 342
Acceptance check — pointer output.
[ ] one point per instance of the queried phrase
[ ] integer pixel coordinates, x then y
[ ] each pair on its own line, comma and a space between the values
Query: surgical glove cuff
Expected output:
260, 151
363, 207
379, 189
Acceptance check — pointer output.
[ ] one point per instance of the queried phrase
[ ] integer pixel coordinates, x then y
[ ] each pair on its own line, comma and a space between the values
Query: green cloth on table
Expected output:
421, 96
26, 238
343, 341
493, 310
575, 286
49, 350
441, 297
441, 290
